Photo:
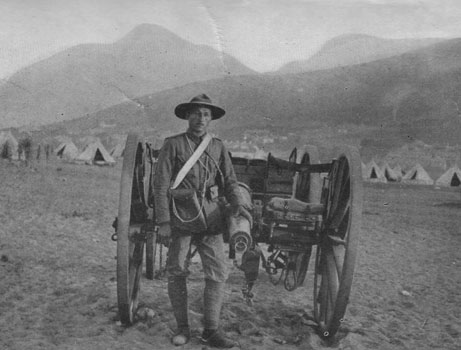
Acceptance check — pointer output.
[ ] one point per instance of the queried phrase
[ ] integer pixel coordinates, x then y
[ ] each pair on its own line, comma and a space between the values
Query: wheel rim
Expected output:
336, 253
132, 210
151, 241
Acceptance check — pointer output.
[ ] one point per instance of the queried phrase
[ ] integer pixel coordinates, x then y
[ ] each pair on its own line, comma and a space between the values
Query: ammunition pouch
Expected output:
187, 210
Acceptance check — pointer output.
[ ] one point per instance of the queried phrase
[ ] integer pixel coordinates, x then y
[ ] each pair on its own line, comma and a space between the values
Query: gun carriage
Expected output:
296, 204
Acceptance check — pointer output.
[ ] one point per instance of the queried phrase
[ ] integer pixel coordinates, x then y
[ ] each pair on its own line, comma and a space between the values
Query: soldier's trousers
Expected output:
211, 250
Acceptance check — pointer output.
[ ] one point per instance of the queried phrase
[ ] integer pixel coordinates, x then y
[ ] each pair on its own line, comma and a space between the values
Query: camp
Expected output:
95, 153
373, 173
66, 150
417, 175
452, 177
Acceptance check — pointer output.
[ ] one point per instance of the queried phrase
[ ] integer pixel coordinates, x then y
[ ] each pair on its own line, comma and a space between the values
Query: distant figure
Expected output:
20, 149
39, 150
6, 152
27, 147
47, 152
196, 218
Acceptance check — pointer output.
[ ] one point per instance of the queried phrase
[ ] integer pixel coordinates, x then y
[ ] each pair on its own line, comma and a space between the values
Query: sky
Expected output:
262, 34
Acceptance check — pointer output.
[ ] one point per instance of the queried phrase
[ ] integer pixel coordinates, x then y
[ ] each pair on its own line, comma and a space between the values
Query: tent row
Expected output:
373, 173
93, 153
416, 175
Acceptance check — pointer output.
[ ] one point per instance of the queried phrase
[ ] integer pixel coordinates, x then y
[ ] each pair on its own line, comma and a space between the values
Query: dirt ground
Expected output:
58, 273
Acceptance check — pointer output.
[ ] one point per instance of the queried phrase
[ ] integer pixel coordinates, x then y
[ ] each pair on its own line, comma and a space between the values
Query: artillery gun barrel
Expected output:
239, 233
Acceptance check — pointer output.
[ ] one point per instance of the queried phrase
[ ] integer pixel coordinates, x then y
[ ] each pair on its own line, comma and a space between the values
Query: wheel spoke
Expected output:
344, 185
317, 276
151, 256
338, 253
324, 291
323, 300
342, 204
332, 187
302, 264
336, 220
333, 278
135, 267
330, 306
336, 189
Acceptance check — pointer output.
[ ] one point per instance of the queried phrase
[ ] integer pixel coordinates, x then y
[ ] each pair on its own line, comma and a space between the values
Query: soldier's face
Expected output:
199, 118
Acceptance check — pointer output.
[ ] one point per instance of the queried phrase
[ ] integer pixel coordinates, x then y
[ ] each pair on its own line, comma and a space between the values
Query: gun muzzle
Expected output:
240, 238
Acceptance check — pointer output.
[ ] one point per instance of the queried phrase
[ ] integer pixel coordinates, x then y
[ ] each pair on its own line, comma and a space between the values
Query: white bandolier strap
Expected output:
191, 161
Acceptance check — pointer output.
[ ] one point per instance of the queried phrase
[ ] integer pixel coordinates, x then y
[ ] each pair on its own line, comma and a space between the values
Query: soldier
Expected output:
39, 150
211, 176
47, 152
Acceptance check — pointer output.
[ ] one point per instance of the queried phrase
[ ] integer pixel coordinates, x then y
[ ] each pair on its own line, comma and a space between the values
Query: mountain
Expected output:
351, 49
378, 105
86, 78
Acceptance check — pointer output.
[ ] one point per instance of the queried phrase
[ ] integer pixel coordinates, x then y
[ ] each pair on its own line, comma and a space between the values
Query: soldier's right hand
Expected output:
164, 234
237, 210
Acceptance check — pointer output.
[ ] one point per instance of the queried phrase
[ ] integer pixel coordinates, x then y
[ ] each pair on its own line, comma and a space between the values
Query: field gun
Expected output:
296, 205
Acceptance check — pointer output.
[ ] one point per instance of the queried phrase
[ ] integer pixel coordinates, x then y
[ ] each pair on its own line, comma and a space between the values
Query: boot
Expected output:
216, 339
213, 298
181, 337
177, 291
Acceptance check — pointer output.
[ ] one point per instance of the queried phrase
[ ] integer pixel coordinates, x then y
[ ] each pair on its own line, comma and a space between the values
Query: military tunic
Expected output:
213, 170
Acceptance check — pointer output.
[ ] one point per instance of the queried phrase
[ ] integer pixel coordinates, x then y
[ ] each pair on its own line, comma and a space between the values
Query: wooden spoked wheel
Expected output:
132, 215
336, 252
308, 189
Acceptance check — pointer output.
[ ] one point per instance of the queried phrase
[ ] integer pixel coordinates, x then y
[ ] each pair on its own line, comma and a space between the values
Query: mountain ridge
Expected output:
90, 77
351, 49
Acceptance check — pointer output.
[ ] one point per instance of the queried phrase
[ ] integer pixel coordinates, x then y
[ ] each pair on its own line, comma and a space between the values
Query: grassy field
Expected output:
58, 273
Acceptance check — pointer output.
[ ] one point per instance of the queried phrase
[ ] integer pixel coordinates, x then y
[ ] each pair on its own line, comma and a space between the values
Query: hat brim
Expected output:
181, 109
